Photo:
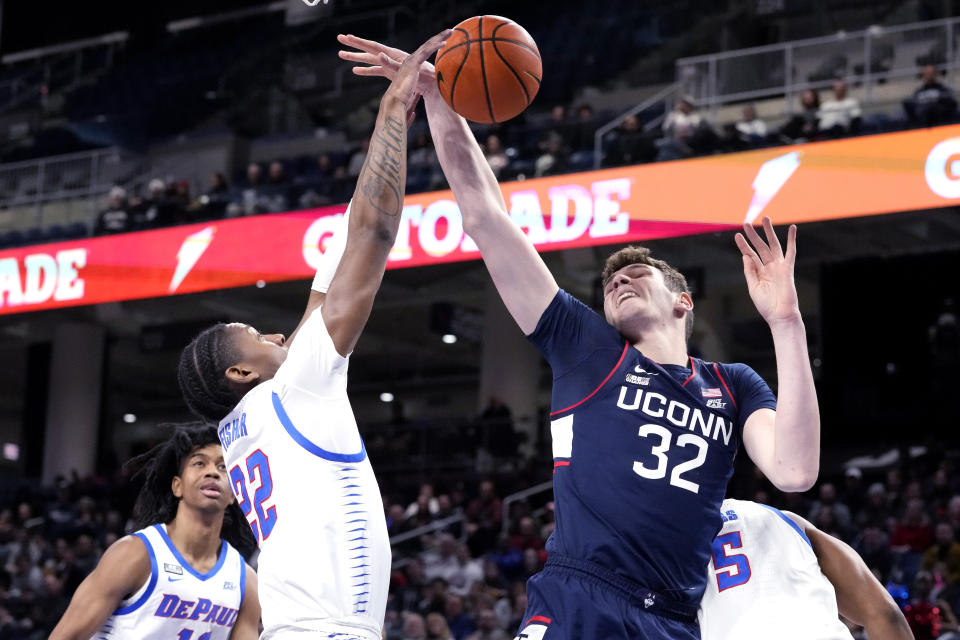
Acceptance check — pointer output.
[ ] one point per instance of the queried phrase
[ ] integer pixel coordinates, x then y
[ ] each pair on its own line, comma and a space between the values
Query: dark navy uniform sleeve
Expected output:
574, 338
751, 392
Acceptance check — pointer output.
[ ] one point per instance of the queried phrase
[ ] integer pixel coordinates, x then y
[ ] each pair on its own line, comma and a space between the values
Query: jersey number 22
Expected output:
258, 475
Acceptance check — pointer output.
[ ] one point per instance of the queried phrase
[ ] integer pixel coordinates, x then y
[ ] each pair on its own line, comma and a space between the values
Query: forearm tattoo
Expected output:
381, 181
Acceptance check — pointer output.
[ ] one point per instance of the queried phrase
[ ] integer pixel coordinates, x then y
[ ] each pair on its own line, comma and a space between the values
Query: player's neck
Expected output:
663, 347
196, 535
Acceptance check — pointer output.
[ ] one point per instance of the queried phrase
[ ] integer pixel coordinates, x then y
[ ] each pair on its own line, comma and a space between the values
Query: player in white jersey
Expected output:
773, 574
295, 457
178, 578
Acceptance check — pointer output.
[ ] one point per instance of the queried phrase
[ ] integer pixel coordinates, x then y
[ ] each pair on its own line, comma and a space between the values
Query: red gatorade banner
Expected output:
844, 178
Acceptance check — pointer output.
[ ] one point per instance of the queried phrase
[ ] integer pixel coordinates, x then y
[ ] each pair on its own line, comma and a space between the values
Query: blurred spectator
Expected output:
276, 191
497, 434
357, 158
442, 560
583, 130
319, 181
751, 130
928, 618
840, 512
461, 623
553, 160
466, 572
213, 203
804, 125
946, 551
156, 209
484, 515
495, 155
630, 145
853, 494
913, 532
437, 628
932, 103
873, 545
559, 123
251, 201
414, 627
527, 536
685, 132
840, 116
876, 512
115, 218
488, 627
425, 505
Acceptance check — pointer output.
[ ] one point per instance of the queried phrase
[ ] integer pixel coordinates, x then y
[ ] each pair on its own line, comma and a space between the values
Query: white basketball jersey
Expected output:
303, 479
178, 602
764, 581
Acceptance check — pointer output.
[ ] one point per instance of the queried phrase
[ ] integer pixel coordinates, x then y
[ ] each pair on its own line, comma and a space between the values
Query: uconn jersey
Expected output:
302, 477
177, 601
642, 452
764, 581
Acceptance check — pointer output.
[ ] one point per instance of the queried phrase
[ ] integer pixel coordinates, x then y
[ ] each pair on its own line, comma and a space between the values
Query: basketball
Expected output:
490, 69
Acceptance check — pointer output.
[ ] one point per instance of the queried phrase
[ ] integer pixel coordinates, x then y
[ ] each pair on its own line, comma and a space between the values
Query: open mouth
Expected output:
211, 491
625, 296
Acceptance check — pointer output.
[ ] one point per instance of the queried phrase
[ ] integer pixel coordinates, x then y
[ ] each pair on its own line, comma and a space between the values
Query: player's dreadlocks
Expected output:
156, 502
201, 373
633, 254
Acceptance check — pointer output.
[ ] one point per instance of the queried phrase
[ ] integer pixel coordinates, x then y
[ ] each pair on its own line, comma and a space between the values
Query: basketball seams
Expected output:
456, 76
500, 100
469, 40
507, 63
483, 71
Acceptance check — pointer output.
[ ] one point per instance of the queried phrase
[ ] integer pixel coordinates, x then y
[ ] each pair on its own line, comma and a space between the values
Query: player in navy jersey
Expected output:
644, 435
181, 576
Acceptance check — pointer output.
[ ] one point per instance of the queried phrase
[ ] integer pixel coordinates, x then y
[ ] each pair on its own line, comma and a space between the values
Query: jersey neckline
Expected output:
162, 529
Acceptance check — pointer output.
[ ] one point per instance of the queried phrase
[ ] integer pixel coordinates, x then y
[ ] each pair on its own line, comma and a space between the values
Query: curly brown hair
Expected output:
633, 254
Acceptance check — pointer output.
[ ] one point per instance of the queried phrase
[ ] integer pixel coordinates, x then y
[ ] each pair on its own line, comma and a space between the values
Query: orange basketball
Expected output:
490, 69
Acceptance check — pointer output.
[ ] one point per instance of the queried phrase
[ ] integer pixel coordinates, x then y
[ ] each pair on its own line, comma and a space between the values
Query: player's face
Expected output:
636, 290
263, 352
202, 482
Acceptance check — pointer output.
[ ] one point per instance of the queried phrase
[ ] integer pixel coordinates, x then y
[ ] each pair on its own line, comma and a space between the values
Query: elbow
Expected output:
796, 480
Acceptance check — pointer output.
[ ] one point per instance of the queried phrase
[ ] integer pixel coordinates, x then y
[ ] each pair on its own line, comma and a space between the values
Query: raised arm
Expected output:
860, 597
784, 444
520, 275
376, 208
123, 569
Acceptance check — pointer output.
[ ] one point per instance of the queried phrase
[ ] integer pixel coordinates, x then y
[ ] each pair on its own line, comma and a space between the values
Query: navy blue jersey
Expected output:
642, 451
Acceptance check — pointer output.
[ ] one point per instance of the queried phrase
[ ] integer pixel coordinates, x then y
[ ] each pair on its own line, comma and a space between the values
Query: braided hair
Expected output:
156, 502
201, 373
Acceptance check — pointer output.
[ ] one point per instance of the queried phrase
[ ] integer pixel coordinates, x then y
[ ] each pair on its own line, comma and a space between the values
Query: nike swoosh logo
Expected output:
639, 369
174, 579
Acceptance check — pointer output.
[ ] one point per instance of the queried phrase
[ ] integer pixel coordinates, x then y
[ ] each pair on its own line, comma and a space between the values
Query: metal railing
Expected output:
867, 58
666, 96
88, 174
437, 525
517, 497
34, 74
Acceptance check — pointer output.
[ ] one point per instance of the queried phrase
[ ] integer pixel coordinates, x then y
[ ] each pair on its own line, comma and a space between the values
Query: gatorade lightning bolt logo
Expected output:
190, 251
771, 177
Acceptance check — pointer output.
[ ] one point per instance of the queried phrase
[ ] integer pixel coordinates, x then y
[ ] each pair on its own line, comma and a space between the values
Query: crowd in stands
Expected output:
464, 578
555, 144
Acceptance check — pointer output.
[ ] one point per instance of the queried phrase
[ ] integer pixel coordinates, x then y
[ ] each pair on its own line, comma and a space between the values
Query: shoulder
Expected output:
131, 549
130, 560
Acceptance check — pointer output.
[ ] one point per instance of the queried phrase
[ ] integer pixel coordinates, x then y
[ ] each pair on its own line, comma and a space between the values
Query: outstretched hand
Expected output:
769, 272
383, 61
